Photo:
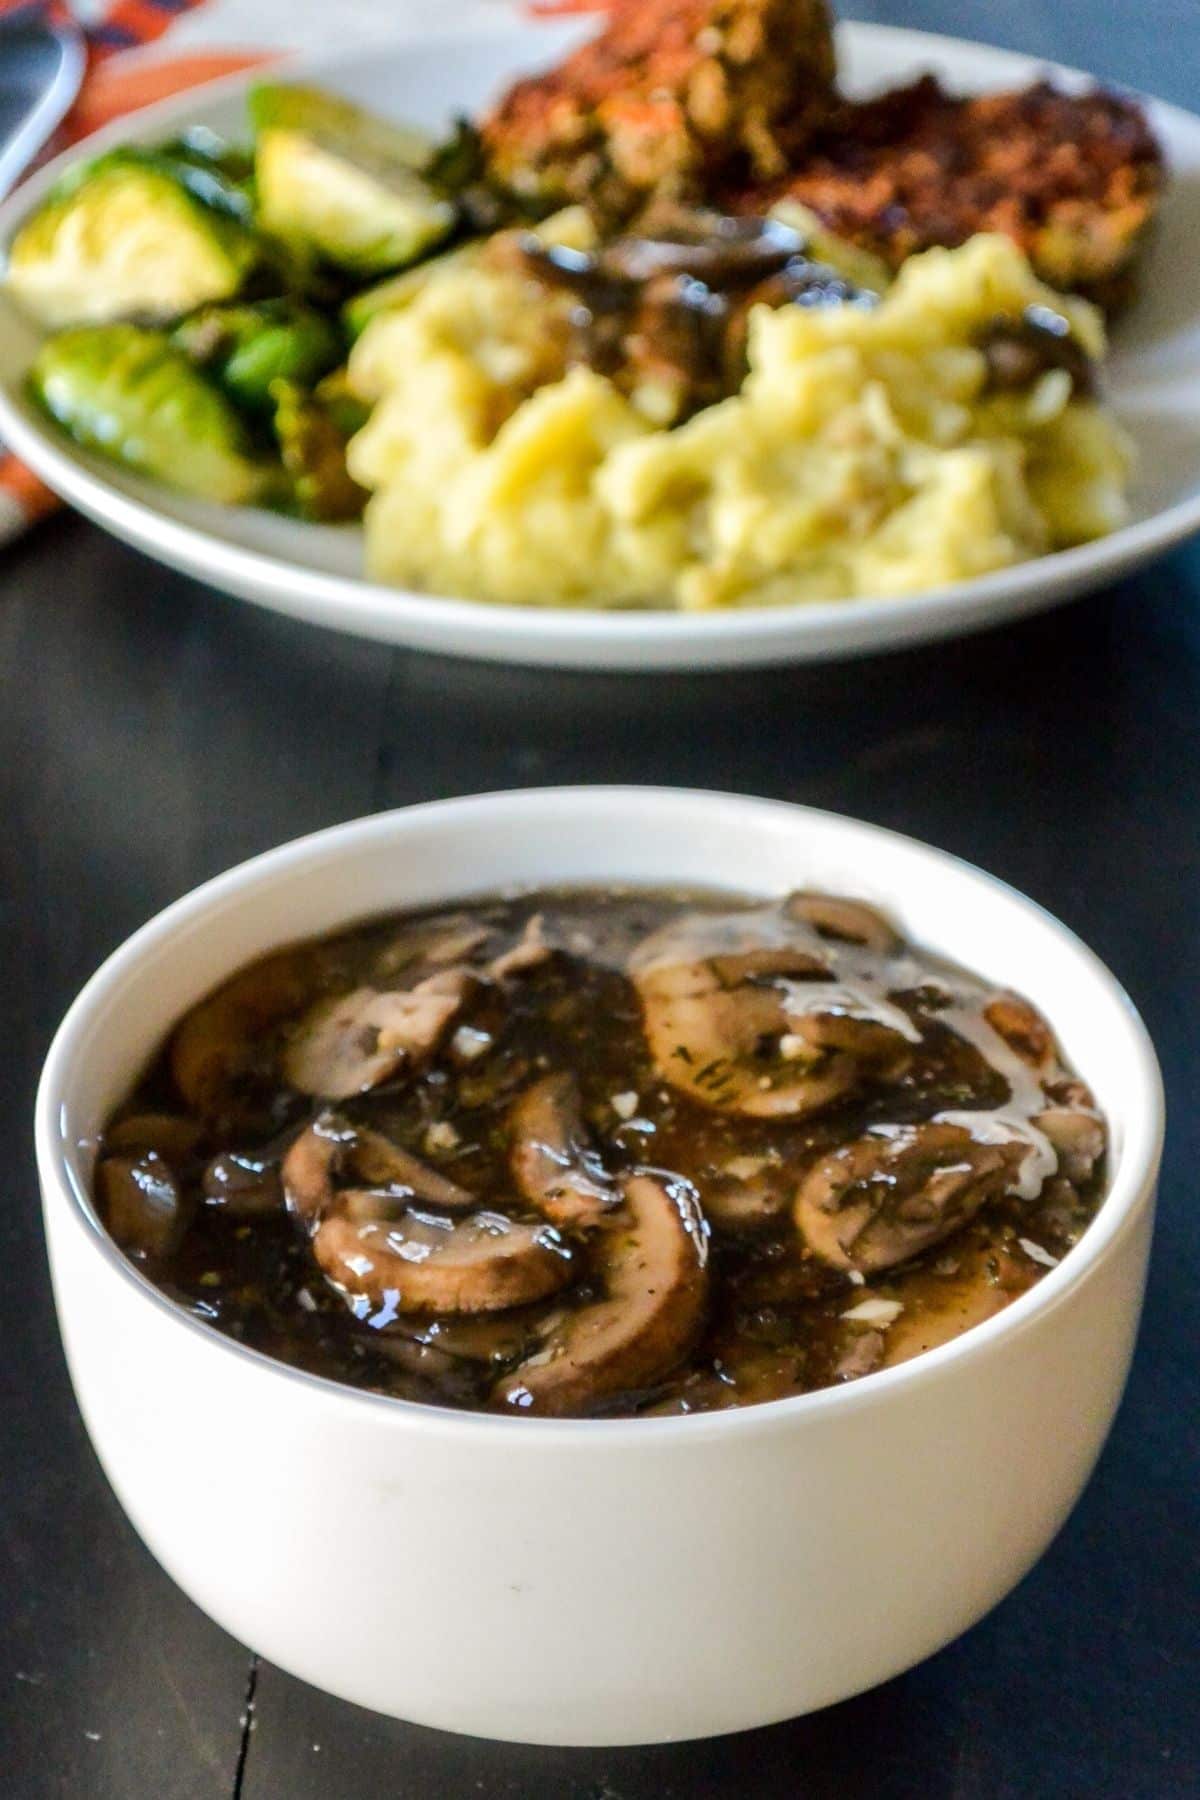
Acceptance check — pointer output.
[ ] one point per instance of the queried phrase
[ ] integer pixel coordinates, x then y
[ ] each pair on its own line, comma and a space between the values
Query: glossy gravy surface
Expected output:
603, 1153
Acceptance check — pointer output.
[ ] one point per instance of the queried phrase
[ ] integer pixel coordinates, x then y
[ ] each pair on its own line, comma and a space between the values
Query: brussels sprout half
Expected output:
350, 187
129, 393
312, 430
211, 182
126, 239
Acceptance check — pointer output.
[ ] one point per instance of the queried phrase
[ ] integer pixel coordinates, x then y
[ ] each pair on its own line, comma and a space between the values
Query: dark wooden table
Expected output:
152, 733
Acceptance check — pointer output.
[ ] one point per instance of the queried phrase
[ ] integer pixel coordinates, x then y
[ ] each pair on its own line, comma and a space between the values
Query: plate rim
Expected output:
352, 603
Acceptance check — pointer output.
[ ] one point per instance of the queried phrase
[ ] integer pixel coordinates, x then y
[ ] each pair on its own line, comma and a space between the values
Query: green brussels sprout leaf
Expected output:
126, 237
312, 431
130, 394
250, 345
351, 188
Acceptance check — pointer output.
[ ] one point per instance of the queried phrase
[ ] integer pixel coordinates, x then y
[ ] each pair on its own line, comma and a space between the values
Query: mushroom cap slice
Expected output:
218, 1041
733, 966
651, 1261
707, 1040
352, 1042
554, 1166
376, 1246
746, 1012
851, 921
887, 1196
309, 1167
244, 1185
385, 1164
496, 1338
1024, 1030
142, 1204
426, 945
530, 951
426, 1263
1077, 1137
173, 1136
863, 1353
331, 1147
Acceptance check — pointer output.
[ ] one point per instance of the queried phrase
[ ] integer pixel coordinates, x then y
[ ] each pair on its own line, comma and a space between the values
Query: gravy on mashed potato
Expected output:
877, 439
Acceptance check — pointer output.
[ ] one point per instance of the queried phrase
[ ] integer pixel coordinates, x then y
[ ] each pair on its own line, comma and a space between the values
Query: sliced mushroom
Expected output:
529, 952
497, 1338
424, 1262
1017, 351
414, 1356
884, 1198
310, 1165
378, 1160
373, 1243
243, 1184
371, 1206
432, 944
847, 921
142, 1203
220, 1040
555, 1167
331, 1148
743, 1011
834, 1015
708, 1041
863, 1353
1077, 1137
651, 1263
169, 1134
353, 1042
1024, 1030
734, 966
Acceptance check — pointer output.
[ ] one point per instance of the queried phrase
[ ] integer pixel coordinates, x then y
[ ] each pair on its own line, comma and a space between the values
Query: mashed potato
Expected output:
862, 455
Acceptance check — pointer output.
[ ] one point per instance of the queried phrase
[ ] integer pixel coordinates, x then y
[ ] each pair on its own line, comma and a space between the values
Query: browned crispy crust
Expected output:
732, 102
1075, 179
670, 93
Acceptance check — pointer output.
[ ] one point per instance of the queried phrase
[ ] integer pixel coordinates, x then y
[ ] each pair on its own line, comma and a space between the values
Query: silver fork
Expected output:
41, 67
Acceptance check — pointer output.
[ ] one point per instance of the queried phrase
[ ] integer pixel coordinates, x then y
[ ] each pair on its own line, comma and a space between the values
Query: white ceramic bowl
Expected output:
579, 1581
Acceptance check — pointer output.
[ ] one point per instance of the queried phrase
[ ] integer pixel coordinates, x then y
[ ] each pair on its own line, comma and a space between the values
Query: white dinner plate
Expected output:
315, 572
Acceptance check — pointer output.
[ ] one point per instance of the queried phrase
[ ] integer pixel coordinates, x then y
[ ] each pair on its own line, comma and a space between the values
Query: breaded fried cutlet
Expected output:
671, 94
1075, 179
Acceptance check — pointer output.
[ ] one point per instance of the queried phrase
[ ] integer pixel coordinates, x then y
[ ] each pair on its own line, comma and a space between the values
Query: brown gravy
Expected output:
603, 1153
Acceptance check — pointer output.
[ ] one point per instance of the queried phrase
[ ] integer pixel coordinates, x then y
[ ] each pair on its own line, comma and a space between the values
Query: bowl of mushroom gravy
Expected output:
609, 1152
714, 1223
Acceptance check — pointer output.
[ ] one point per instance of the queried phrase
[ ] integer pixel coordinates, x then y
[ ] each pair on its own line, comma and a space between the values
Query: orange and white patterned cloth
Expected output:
140, 51
127, 68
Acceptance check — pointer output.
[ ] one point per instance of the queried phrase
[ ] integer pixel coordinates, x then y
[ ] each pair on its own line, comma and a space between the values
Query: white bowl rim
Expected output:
872, 622
1130, 1188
